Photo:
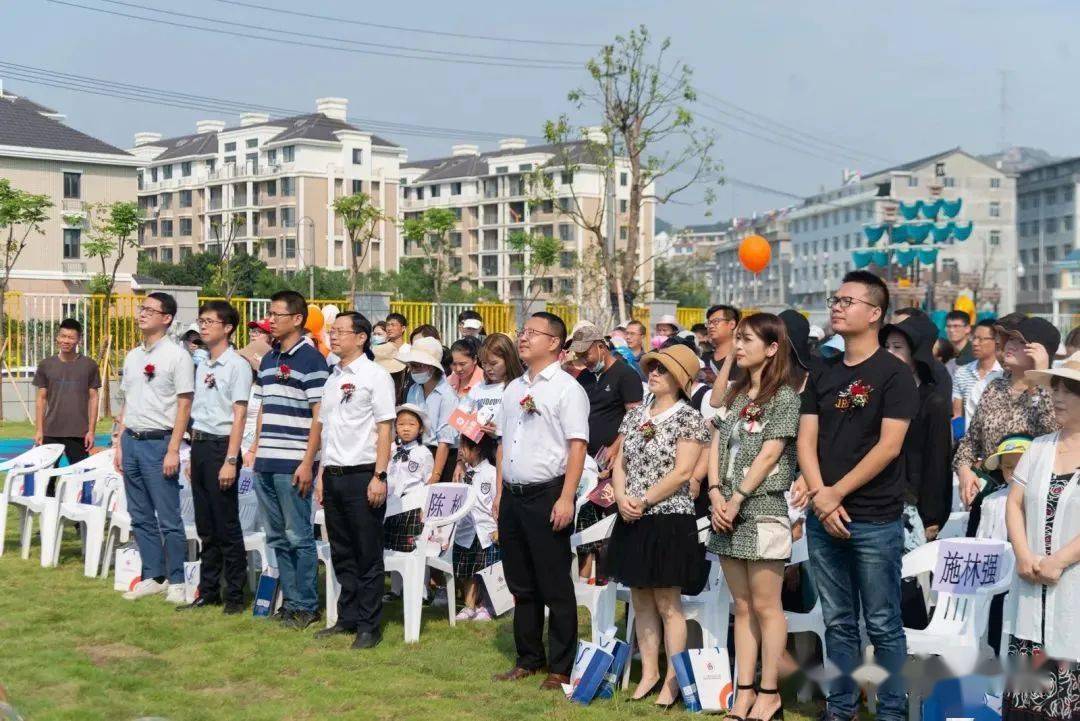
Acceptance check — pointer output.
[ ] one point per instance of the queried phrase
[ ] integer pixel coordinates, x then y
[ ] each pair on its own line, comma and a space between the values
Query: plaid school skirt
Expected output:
591, 514
401, 530
470, 561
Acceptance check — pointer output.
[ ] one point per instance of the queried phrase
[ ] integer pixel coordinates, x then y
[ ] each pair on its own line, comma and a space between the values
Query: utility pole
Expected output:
612, 209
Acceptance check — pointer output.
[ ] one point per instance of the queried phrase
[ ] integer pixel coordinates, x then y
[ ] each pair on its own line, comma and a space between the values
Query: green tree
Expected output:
225, 277
362, 220
21, 213
645, 102
674, 282
114, 231
541, 255
431, 232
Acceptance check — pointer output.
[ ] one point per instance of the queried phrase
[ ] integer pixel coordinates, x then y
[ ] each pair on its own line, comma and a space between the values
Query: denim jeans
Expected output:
153, 502
861, 571
290, 532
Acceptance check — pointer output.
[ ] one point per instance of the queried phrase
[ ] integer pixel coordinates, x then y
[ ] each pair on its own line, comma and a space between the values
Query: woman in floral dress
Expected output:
654, 546
751, 466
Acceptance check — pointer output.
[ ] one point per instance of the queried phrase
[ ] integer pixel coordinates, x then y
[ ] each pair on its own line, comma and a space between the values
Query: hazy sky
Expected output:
887, 83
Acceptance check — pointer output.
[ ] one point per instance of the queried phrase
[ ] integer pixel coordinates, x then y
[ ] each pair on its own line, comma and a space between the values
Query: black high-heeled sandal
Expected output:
742, 687
778, 714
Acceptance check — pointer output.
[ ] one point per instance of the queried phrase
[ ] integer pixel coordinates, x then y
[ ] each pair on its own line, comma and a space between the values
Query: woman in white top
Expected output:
476, 538
1043, 517
500, 362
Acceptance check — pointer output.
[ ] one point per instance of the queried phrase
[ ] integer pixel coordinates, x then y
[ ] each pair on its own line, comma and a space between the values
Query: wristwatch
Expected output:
231, 459
381, 476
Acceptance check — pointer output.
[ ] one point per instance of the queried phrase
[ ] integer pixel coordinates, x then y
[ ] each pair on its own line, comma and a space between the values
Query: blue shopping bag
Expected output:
684, 674
590, 667
266, 593
620, 655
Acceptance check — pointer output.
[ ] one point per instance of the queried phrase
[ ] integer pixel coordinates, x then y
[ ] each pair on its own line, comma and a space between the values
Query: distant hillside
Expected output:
1019, 159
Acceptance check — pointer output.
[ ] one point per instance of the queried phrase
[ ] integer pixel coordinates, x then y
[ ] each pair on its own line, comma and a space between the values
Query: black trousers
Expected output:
73, 449
355, 530
217, 520
536, 561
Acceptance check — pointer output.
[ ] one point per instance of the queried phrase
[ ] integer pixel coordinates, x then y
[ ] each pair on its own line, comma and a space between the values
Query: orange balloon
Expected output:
315, 320
754, 253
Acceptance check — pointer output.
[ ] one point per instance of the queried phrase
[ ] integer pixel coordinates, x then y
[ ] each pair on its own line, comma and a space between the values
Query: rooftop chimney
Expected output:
335, 108
146, 138
209, 126
247, 119
464, 149
596, 134
512, 143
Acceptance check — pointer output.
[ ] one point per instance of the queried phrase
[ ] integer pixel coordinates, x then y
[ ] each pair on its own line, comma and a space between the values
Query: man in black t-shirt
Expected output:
855, 413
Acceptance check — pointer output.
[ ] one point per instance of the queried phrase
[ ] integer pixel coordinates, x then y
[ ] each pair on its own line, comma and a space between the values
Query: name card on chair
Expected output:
444, 500
965, 566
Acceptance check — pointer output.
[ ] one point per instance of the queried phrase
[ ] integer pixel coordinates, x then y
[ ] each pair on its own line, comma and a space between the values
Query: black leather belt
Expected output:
348, 470
148, 435
528, 489
200, 436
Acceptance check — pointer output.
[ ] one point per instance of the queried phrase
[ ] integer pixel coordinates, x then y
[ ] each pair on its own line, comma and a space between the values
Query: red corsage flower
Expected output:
347, 390
528, 405
752, 412
856, 395
283, 373
210, 381
648, 430
148, 371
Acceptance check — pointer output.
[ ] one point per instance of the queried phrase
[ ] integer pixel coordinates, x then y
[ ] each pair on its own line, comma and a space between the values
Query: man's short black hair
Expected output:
558, 327
729, 310
70, 324
958, 315
989, 323
637, 323
224, 311
875, 288
469, 315
399, 318
360, 324
699, 328
168, 303
294, 303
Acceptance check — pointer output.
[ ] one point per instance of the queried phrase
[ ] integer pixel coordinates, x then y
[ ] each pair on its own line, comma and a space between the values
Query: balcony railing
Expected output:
73, 266
73, 205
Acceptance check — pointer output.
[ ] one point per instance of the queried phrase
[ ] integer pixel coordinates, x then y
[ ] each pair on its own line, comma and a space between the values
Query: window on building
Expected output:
211, 163
435, 190
566, 177
564, 204
1051, 225
502, 169
1067, 222
1051, 254
455, 264
252, 142
185, 252
357, 186
166, 172
185, 198
230, 160
185, 227
290, 248
566, 259
624, 205
153, 227
913, 181
456, 212
1052, 280
455, 239
1050, 195
566, 231
271, 156
153, 175
72, 238
271, 247
271, 188
166, 255
358, 156
995, 182
166, 200
455, 188
995, 209
566, 285
949, 182
1067, 193
288, 153
166, 228
288, 217
230, 147
288, 187
548, 206
420, 193
73, 185
489, 265
995, 238
624, 179
624, 232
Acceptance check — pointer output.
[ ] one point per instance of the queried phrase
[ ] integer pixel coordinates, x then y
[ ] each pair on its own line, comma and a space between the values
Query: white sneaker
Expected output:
465, 614
482, 614
175, 594
146, 587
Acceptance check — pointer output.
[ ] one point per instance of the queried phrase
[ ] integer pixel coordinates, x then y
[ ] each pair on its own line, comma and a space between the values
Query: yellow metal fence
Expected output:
689, 316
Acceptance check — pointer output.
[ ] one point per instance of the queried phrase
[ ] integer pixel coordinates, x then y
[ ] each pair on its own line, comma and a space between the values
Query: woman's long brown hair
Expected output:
499, 344
777, 371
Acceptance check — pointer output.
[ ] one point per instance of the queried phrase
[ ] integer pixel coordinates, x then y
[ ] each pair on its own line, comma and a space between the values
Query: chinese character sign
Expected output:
965, 567
445, 499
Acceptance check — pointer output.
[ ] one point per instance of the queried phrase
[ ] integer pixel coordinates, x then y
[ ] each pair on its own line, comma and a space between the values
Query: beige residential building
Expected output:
488, 192
40, 153
280, 177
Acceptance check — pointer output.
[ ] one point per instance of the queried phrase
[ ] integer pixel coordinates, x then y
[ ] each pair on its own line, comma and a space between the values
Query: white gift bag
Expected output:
498, 592
128, 567
192, 570
712, 673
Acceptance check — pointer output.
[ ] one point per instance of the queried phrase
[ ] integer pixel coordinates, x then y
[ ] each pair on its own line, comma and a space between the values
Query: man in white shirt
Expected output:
971, 380
545, 432
354, 426
222, 387
158, 383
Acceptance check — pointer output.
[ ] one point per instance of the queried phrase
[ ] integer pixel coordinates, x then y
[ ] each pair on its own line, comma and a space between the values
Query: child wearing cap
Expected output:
410, 468
991, 520
477, 536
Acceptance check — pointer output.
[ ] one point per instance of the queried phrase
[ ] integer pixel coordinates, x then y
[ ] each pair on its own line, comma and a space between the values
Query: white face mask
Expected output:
378, 339
200, 355
421, 378
599, 367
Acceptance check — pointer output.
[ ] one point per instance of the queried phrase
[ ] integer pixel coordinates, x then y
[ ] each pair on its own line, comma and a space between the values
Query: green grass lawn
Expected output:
25, 429
72, 648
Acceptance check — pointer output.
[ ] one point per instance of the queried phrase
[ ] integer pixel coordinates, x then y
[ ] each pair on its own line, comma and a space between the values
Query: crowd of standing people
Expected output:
761, 423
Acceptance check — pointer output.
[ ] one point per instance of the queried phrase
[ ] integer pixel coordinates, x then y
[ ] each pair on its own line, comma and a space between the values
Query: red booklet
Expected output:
466, 424
603, 495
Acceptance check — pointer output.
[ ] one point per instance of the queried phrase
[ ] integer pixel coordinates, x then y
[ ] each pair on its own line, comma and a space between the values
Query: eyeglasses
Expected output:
713, 322
528, 333
334, 332
983, 339
148, 309
282, 315
203, 322
846, 301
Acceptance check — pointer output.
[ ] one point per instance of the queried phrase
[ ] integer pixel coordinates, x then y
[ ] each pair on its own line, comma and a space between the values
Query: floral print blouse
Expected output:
999, 414
649, 451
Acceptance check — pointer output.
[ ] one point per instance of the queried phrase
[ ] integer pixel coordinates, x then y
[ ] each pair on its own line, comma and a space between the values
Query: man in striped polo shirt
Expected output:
290, 386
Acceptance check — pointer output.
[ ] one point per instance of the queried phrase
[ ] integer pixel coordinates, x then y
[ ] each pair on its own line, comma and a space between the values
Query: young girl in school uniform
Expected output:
410, 468
477, 536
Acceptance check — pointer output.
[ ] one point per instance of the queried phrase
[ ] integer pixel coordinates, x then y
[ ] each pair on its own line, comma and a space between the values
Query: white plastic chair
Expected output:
119, 527
48, 507
89, 513
955, 526
254, 537
39, 458
600, 600
413, 565
813, 621
957, 629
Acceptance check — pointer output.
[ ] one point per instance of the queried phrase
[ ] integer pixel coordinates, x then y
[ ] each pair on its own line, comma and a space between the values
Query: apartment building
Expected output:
828, 226
40, 153
280, 177
717, 258
1047, 235
489, 195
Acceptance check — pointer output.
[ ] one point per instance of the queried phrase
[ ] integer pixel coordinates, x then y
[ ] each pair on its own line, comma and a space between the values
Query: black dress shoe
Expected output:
300, 620
336, 630
200, 602
231, 608
391, 597
368, 639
